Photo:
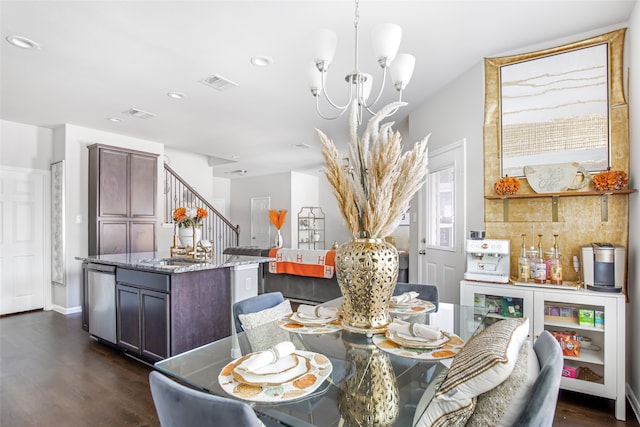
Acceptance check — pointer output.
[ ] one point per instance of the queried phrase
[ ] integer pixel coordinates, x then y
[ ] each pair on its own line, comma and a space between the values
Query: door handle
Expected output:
422, 252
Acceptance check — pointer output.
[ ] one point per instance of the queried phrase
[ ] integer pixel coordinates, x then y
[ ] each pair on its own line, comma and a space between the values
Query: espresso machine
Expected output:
603, 267
487, 260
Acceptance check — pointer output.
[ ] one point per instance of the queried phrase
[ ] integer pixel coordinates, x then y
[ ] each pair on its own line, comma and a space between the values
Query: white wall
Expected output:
25, 146
277, 187
304, 192
633, 308
454, 113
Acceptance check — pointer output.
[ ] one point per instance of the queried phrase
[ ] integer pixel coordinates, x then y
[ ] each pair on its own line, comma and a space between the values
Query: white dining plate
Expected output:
416, 342
319, 368
415, 306
287, 369
445, 351
311, 321
289, 325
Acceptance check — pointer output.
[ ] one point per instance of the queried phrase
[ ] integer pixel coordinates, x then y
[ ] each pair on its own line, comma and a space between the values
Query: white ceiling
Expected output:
100, 58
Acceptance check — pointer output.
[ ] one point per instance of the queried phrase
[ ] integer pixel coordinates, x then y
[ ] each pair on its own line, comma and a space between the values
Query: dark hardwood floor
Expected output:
53, 374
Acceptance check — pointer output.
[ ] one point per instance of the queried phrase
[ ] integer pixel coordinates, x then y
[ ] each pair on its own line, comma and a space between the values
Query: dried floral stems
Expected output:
277, 217
375, 189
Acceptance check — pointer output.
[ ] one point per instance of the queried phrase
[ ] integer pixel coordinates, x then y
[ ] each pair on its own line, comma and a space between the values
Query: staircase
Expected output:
215, 227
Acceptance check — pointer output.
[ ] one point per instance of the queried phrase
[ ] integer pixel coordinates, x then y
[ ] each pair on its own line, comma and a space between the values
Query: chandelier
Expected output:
386, 41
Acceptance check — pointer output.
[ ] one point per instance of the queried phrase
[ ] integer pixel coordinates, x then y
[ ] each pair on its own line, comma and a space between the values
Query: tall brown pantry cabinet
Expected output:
122, 200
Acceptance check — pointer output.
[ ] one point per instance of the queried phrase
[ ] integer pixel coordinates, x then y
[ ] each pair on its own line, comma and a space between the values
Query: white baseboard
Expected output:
633, 401
65, 310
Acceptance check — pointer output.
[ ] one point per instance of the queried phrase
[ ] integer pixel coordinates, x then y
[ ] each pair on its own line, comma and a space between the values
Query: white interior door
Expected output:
441, 257
22, 240
260, 230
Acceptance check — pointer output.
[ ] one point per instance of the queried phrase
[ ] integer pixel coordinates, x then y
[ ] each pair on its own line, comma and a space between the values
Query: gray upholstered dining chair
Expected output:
541, 404
181, 406
255, 304
426, 292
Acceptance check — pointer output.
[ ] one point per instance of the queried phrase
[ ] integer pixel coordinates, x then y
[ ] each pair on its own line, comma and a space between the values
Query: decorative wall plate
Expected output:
555, 178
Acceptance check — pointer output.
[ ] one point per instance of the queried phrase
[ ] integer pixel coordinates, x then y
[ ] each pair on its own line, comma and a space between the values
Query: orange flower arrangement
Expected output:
188, 217
507, 185
277, 217
610, 180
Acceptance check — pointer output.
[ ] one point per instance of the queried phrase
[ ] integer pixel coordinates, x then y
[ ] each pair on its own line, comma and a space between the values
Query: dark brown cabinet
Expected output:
160, 315
122, 200
142, 319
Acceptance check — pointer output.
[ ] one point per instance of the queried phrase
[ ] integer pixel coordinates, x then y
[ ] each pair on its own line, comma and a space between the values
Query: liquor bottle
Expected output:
524, 269
556, 265
540, 274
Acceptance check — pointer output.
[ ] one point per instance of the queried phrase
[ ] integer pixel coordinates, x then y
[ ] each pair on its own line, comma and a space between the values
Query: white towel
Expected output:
414, 329
278, 353
404, 298
317, 311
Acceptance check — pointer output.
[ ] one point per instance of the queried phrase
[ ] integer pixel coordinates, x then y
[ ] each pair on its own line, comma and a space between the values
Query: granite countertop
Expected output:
164, 263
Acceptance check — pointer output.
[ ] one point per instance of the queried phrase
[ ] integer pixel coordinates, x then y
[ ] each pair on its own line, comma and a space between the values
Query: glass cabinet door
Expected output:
586, 334
498, 301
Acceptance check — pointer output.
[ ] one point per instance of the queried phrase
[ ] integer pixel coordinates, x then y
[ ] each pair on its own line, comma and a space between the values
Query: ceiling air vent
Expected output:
138, 113
218, 82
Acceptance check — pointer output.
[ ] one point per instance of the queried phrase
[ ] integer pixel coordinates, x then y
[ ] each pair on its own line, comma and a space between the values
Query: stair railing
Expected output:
215, 227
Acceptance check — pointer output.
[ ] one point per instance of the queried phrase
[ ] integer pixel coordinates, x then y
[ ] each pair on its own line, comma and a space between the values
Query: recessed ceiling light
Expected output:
22, 42
176, 95
261, 61
114, 119
302, 146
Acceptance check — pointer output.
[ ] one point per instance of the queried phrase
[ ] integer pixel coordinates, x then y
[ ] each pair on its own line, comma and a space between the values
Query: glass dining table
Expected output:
369, 382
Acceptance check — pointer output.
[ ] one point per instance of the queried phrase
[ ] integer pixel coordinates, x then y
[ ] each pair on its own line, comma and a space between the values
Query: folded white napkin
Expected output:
278, 353
317, 311
414, 329
404, 298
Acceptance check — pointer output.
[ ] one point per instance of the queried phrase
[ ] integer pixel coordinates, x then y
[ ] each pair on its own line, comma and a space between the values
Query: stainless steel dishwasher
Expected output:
101, 280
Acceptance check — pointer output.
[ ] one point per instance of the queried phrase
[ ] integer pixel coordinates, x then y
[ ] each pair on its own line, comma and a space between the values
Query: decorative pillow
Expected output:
260, 328
492, 405
484, 362
253, 320
521, 397
428, 396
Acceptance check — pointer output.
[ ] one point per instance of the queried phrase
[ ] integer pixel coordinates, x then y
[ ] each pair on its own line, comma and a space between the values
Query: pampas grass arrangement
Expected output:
375, 187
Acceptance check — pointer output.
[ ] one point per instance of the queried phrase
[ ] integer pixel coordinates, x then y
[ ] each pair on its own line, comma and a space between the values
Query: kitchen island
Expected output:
153, 306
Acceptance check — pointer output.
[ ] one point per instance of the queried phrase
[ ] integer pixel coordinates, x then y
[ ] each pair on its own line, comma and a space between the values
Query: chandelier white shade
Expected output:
386, 42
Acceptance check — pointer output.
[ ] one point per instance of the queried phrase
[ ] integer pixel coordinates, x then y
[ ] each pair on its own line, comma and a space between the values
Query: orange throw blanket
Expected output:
301, 262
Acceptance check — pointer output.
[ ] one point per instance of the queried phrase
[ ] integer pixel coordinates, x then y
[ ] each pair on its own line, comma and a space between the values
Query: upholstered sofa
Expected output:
303, 288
